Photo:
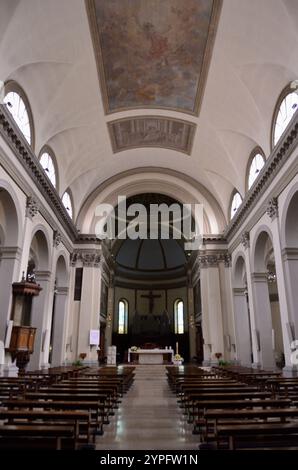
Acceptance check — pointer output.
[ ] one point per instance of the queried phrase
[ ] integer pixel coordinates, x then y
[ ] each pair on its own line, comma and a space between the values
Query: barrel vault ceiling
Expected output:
116, 85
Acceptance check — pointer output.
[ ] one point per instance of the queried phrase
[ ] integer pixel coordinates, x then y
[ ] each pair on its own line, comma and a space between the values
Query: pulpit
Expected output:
22, 345
23, 335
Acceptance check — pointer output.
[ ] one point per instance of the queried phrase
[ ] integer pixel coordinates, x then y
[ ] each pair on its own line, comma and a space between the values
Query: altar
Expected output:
151, 356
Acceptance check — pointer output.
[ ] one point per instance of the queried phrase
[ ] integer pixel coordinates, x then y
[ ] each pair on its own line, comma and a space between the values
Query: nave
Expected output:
148, 417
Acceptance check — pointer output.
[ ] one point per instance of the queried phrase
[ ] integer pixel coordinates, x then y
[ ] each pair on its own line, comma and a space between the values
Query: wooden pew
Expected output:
252, 436
36, 436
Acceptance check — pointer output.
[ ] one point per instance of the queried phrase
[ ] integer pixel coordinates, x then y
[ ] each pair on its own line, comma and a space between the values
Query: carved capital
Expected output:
208, 261
88, 258
212, 260
272, 208
226, 258
32, 207
57, 238
245, 239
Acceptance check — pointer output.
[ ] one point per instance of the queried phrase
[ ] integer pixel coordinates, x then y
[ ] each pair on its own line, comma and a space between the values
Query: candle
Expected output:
177, 347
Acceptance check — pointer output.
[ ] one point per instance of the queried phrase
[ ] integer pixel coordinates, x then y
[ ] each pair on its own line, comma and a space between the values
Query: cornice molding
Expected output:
280, 154
25, 155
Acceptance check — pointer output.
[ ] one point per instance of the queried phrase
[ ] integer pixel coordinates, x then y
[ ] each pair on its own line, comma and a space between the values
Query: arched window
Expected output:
256, 163
47, 162
122, 317
66, 200
179, 317
235, 204
18, 106
286, 107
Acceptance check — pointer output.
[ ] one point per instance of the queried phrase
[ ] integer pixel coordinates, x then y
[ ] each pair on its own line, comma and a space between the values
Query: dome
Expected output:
151, 256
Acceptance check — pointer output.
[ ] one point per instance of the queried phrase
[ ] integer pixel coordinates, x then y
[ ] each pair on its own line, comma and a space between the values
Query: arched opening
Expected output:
38, 269
267, 309
236, 201
256, 162
151, 291
9, 255
242, 313
290, 256
19, 107
59, 312
179, 317
49, 164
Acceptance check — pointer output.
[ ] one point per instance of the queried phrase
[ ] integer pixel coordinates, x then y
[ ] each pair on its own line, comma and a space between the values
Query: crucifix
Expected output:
151, 298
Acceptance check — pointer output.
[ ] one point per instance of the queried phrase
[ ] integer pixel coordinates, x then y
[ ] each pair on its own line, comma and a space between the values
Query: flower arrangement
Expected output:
134, 348
218, 355
82, 356
177, 357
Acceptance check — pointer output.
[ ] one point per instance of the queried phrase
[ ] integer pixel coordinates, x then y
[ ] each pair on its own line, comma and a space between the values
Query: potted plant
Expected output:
82, 356
218, 355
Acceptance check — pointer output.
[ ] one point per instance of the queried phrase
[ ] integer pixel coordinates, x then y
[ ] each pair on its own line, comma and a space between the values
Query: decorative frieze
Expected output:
57, 238
272, 208
245, 239
87, 257
32, 207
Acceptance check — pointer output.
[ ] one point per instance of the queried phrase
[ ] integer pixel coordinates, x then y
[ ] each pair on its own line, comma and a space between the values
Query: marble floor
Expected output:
148, 417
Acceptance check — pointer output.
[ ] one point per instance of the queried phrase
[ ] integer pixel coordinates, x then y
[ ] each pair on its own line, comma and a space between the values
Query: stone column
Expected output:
191, 321
242, 327
290, 259
245, 240
61, 297
110, 314
284, 282
9, 272
209, 263
39, 316
90, 303
227, 307
264, 320
205, 318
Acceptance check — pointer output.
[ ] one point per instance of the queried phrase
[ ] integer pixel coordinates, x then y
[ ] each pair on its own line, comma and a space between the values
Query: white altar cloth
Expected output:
151, 356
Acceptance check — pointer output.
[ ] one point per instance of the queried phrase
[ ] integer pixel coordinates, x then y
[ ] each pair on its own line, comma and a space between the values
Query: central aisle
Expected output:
148, 417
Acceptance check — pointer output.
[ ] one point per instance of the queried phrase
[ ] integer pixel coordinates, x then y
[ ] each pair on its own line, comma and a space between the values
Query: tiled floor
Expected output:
148, 417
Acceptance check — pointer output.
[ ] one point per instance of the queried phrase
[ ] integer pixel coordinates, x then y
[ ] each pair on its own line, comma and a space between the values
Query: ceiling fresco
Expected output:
152, 131
153, 53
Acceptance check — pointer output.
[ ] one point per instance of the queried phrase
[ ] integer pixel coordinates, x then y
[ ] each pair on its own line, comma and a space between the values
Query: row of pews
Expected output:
60, 408
237, 407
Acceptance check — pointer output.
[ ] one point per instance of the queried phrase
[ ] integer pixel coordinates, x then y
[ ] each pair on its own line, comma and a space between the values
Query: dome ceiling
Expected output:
150, 255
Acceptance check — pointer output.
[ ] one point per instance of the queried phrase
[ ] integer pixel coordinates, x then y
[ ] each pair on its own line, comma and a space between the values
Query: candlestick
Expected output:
177, 347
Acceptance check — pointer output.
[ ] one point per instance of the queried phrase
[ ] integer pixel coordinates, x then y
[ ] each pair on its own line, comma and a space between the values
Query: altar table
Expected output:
151, 356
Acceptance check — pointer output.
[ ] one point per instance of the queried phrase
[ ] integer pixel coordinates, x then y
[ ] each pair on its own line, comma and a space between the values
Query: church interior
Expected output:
177, 329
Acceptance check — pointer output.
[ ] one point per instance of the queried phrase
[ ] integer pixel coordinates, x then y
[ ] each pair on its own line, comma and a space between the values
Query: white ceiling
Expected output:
46, 47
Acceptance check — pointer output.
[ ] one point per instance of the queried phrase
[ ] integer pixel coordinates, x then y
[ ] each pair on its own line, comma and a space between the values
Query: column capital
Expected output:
211, 260
245, 240
10, 252
32, 207
61, 290
57, 238
239, 291
272, 208
289, 254
89, 258
42, 275
259, 277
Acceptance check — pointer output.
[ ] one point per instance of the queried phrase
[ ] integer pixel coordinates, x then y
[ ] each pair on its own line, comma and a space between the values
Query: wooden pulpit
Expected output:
22, 345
